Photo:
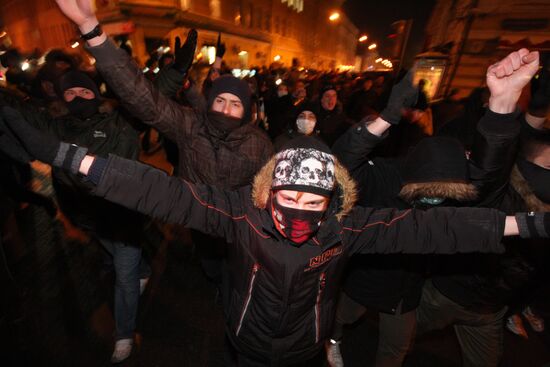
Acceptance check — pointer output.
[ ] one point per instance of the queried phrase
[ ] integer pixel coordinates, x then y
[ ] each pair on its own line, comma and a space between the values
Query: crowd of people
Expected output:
285, 177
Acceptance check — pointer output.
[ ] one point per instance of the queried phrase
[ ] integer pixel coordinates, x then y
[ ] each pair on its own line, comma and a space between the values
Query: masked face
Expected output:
305, 123
223, 122
228, 104
298, 215
81, 102
282, 91
537, 177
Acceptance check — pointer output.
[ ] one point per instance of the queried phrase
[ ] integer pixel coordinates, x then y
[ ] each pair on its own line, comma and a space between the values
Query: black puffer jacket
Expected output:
282, 297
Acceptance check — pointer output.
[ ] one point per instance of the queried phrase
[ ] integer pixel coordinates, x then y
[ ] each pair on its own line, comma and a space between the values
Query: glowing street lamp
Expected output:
334, 16
363, 38
277, 58
372, 47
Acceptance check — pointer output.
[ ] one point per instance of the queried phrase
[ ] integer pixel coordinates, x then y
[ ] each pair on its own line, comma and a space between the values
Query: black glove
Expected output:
11, 146
220, 47
41, 146
403, 94
540, 92
185, 54
533, 224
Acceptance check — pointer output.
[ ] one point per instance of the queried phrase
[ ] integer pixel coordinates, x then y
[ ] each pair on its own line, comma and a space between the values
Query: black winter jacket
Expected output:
488, 283
282, 297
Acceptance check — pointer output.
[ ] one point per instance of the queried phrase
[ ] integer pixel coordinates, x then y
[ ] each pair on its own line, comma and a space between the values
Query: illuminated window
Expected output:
297, 5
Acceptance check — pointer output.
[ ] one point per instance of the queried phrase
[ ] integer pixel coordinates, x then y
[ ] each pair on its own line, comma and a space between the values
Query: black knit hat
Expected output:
436, 159
304, 164
75, 78
326, 88
238, 87
306, 106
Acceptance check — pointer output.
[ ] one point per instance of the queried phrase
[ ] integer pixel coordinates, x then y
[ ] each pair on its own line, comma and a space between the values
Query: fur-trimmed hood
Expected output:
521, 186
460, 191
342, 201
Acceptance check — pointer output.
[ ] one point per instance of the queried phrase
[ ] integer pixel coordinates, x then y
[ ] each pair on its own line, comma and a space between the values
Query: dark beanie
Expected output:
230, 84
305, 106
304, 164
326, 88
436, 159
75, 78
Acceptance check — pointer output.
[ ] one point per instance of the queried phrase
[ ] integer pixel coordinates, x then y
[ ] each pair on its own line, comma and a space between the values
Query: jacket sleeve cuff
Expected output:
96, 170
500, 123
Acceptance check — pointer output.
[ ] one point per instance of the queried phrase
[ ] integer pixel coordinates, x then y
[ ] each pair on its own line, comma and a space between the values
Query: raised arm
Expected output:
354, 146
137, 93
494, 149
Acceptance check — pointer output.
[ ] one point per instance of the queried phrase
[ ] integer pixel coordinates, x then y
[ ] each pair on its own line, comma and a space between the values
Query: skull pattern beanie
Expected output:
304, 164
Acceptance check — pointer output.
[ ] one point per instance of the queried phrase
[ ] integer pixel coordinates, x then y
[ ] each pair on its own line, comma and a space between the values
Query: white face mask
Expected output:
305, 126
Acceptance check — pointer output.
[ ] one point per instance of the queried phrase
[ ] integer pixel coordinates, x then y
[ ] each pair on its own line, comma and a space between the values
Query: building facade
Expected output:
465, 37
256, 32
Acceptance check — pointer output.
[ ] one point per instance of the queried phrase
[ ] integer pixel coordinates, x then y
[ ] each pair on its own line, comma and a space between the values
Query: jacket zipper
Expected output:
255, 269
322, 281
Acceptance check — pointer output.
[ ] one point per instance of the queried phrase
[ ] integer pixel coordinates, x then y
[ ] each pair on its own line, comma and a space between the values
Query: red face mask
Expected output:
295, 224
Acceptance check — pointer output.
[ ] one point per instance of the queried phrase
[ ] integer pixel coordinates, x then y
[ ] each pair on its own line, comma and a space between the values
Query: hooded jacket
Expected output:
281, 298
383, 282
488, 283
206, 154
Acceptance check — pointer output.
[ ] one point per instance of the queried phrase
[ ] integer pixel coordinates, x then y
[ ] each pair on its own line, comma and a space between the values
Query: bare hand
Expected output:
81, 12
507, 78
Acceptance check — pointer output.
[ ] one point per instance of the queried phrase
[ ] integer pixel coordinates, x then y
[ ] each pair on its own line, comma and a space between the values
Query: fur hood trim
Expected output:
261, 187
449, 190
521, 186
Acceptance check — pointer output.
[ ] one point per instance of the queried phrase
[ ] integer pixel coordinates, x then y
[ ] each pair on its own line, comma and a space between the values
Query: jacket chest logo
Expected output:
99, 134
325, 257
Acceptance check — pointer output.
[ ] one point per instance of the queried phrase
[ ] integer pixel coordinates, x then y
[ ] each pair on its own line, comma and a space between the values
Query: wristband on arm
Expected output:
533, 224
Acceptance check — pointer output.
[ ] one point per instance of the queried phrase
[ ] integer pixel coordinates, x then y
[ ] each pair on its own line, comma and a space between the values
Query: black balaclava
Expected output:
537, 177
238, 87
80, 107
304, 164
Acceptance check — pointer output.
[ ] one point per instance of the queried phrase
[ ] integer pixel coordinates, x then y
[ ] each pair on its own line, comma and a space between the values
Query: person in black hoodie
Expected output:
434, 173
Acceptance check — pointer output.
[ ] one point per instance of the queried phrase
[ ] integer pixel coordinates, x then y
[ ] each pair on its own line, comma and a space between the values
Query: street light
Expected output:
363, 38
334, 16
372, 47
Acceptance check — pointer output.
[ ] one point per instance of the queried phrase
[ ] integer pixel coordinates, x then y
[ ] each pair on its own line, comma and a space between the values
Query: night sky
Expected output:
374, 18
